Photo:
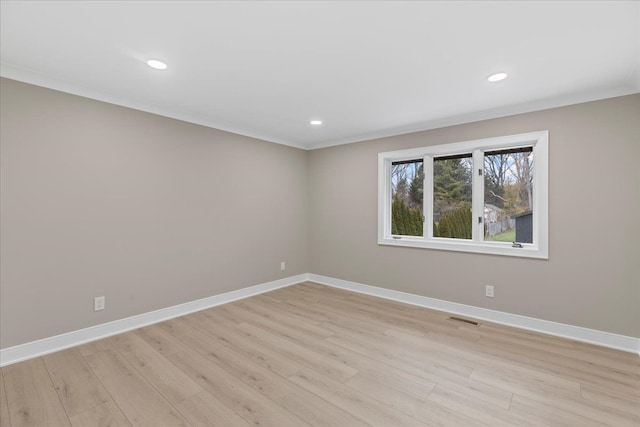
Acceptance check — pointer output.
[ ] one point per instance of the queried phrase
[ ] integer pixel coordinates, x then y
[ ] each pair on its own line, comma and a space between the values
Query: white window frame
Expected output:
540, 246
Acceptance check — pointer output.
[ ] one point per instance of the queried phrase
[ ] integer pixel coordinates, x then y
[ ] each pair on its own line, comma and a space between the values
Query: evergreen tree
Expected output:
405, 221
402, 189
416, 189
451, 183
456, 224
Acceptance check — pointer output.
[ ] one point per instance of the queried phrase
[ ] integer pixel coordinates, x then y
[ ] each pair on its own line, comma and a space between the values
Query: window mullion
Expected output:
477, 196
427, 201
388, 201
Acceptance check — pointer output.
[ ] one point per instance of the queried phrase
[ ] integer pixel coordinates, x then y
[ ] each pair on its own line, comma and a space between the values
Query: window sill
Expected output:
490, 248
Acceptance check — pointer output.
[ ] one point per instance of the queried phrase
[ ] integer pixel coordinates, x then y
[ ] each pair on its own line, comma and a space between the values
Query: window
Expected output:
486, 196
407, 198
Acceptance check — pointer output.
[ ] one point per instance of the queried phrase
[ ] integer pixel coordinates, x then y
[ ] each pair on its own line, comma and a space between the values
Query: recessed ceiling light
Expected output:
158, 65
316, 122
497, 77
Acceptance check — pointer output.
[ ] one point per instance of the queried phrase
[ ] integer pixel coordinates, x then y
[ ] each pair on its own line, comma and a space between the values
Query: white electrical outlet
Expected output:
488, 291
283, 266
98, 303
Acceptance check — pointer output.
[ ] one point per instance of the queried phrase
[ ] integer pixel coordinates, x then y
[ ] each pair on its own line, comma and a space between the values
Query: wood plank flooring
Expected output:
310, 355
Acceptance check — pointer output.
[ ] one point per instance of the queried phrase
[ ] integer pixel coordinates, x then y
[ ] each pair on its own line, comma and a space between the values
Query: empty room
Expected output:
319, 213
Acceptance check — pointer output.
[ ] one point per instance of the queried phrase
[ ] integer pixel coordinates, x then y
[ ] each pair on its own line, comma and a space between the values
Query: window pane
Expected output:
508, 195
407, 185
452, 197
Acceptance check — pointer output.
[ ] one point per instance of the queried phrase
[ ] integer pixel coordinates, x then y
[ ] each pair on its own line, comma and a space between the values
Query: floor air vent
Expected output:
459, 319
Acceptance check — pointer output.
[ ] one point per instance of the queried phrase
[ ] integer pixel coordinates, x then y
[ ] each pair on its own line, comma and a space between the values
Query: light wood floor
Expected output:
313, 355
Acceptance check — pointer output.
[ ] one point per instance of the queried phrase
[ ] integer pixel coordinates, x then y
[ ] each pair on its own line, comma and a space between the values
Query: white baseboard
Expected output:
44, 346
577, 333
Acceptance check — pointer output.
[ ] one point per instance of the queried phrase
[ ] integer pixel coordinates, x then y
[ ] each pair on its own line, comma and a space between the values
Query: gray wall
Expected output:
592, 277
149, 211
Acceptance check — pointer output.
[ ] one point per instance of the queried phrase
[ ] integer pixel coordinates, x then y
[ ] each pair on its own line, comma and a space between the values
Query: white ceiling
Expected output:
367, 69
